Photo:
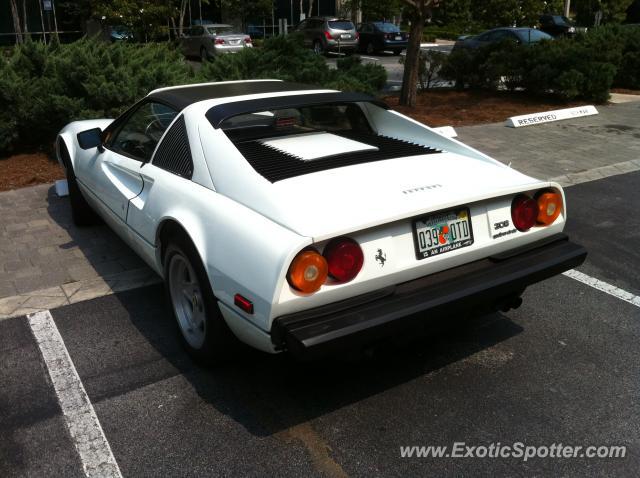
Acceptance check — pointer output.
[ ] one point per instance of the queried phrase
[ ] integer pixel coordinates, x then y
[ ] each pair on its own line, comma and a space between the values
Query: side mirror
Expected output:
91, 138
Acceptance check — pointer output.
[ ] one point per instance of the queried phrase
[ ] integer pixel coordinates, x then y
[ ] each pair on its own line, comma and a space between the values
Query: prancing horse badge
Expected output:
381, 257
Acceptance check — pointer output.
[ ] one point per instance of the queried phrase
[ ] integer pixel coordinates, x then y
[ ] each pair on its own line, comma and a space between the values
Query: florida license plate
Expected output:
442, 232
345, 36
398, 38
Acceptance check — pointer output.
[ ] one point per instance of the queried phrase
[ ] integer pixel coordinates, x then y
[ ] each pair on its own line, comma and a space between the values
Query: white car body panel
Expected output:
247, 230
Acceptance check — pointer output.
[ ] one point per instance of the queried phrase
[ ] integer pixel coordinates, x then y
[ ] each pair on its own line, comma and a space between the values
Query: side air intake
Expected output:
174, 154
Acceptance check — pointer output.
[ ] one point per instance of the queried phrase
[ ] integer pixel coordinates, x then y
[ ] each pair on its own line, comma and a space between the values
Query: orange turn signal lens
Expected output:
308, 271
549, 207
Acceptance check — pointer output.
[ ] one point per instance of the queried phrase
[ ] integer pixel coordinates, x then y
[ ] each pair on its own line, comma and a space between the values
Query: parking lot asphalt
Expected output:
561, 369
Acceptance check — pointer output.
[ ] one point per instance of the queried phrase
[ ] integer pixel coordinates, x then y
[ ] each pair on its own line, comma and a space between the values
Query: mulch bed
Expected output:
625, 91
23, 170
434, 108
465, 108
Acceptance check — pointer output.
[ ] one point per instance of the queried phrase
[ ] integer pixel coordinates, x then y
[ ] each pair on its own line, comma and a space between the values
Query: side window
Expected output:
499, 36
140, 133
197, 31
302, 25
174, 153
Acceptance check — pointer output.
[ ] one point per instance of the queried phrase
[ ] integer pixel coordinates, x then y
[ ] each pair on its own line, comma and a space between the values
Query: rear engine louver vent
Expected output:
174, 154
275, 165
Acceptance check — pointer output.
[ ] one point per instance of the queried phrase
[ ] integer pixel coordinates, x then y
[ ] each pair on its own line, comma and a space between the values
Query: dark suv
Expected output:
329, 34
558, 25
379, 36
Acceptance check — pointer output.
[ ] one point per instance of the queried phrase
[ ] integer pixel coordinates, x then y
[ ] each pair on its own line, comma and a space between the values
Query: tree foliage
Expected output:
613, 11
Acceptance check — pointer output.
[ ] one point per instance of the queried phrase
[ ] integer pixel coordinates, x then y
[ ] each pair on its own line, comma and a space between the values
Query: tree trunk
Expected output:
183, 10
16, 20
310, 8
412, 61
25, 27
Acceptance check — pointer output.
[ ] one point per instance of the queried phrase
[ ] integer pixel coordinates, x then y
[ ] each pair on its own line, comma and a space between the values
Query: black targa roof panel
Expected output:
183, 96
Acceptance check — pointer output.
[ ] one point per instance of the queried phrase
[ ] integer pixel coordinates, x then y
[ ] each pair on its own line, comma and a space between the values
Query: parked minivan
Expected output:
329, 34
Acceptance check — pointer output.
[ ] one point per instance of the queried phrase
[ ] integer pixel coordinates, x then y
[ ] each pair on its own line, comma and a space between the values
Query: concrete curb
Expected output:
65, 294
598, 173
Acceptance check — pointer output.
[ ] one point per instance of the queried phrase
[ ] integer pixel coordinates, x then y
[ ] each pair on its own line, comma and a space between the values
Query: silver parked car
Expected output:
329, 34
206, 41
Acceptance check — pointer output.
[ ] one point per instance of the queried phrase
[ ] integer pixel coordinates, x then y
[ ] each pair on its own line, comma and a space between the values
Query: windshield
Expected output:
219, 30
341, 25
532, 35
292, 121
387, 27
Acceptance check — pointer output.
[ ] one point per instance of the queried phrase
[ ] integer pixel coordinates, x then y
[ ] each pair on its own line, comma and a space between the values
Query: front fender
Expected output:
69, 136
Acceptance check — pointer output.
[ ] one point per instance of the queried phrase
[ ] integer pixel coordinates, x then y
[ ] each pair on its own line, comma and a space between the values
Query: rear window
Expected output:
561, 20
219, 30
292, 121
387, 27
341, 25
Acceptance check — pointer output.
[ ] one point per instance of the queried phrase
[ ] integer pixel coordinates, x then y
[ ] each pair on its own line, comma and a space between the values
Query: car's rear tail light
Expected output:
308, 271
357, 35
549, 207
524, 212
219, 41
247, 39
344, 257
328, 35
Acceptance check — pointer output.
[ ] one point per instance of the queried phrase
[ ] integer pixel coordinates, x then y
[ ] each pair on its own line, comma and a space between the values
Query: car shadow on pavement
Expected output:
267, 394
85, 253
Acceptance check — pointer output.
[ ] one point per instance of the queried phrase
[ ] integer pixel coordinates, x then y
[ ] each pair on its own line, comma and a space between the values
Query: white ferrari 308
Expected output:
303, 219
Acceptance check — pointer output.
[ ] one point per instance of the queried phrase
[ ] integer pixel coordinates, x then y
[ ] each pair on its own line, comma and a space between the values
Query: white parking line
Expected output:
603, 286
84, 427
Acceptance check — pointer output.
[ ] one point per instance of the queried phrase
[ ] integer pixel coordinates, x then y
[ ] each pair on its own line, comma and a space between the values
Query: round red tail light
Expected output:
344, 258
524, 212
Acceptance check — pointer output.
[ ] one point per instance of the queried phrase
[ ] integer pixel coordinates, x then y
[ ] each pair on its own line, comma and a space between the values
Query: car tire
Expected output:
204, 55
397, 52
318, 49
81, 213
202, 329
370, 49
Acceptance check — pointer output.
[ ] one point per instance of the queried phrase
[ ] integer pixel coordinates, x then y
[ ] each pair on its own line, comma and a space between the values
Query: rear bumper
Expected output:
392, 44
218, 49
478, 287
334, 45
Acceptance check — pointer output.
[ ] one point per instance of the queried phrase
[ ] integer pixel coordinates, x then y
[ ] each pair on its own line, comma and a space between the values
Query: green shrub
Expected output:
429, 67
569, 69
371, 76
585, 67
284, 58
43, 87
